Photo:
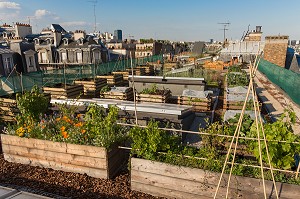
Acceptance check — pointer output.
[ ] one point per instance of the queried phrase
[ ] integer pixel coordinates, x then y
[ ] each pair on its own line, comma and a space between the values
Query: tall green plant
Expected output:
32, 105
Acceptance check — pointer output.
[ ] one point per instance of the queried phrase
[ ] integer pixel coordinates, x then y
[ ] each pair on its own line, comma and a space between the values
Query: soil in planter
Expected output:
66, 184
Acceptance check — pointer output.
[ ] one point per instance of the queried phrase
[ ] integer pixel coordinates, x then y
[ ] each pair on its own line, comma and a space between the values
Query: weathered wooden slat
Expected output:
97, 173
66, 158
244, 186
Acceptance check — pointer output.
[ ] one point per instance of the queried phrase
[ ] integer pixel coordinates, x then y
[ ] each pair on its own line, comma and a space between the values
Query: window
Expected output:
30, 61
44, 57
79, 57
64, 57
8, 65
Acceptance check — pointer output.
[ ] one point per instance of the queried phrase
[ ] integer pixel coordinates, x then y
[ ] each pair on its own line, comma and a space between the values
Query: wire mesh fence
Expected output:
67, 75
287, 80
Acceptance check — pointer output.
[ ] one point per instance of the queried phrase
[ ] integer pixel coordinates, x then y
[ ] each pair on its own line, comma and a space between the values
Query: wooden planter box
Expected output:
161, 179
149, 70
92, 87
125, 77
154, 98
64, 92
113, 80
94, 161
199, 104
237, 105
127, 94
8, 109
136, 71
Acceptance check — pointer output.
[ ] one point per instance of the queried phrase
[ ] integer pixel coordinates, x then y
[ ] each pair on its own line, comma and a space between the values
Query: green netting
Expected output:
287, 80
17, 83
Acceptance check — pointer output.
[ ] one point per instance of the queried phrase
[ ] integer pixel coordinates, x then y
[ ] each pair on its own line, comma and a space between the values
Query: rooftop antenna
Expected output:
225, 24
94, 2
29, 18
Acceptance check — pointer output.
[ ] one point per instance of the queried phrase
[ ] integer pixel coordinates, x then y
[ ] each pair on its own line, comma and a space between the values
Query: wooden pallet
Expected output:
8, 109
92, 87
64, 92
149, 70
136, 71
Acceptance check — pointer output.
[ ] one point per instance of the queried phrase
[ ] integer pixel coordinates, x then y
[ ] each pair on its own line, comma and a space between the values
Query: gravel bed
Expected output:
54, 183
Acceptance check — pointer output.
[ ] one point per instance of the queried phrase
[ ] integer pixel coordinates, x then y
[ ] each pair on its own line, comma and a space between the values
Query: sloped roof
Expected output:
57, 28
5, 51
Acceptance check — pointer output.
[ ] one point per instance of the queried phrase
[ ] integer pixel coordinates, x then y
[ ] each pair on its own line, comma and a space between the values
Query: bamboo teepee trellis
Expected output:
259, 128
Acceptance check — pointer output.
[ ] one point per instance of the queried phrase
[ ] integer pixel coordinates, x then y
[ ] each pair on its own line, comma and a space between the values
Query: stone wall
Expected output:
275, 49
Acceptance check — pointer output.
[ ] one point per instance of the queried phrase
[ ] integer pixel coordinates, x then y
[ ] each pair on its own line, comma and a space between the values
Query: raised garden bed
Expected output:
136, 71
163, 96
121, 93
92, 87
8, 109
61, 91
199, 104
149, 70
97, 162
125, 76
161, 179
113, 79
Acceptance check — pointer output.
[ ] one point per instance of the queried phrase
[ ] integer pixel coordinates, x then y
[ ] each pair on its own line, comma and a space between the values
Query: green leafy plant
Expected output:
105, 89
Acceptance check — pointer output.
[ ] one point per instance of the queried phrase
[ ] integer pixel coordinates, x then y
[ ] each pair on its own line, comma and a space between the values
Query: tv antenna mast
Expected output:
94, 2
225, 24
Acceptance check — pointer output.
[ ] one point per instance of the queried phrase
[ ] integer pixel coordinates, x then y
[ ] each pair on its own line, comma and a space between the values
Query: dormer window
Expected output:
66, 41
80, 41
4, 34
37, 41
49, 41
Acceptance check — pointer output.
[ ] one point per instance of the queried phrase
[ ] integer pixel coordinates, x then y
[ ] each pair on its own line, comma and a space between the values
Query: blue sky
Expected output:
189, 20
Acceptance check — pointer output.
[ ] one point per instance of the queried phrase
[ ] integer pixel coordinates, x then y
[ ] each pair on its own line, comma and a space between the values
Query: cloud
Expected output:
40, 13
74, 23
9, 5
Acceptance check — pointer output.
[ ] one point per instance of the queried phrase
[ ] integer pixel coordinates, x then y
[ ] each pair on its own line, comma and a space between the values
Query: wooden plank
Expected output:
250, 185
84, 150
84, 161
97, 173
34, 143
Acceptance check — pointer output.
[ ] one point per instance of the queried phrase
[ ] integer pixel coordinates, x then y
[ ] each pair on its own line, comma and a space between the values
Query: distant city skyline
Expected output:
190, 20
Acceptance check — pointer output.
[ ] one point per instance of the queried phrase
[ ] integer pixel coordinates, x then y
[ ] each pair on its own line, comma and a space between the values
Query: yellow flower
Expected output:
57, 119
78, 115
79, 124
83, 131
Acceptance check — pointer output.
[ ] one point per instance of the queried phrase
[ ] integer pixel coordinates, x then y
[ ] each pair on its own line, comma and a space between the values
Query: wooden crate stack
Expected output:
120, 93
92, 87
64, 91
149, 70
8, 109
137, 71
113, 79
199, 104
125, 76
164, 98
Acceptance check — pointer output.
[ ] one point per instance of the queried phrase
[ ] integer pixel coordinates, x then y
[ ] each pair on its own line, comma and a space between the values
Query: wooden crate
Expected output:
125, 77
92, 87
126, 95
154, 98
8, 109
199, 104
165, 180
136, 71
97, 162
149, 70
113, 79
64, 92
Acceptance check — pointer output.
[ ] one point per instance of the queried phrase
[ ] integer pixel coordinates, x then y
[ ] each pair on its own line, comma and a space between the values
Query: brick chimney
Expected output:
275, 49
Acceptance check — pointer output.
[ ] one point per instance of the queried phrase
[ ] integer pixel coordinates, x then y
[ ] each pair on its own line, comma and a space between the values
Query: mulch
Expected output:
65, 184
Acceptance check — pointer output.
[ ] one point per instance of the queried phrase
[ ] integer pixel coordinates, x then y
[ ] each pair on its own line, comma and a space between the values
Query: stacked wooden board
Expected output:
136, 71
125, 76
163, 98
121, 93
92, 87
113, 79
8, 109
234, 98
199, 104
64, 91
149, 69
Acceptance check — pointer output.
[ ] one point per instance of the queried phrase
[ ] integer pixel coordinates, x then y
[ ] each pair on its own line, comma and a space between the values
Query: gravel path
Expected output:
65, 184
